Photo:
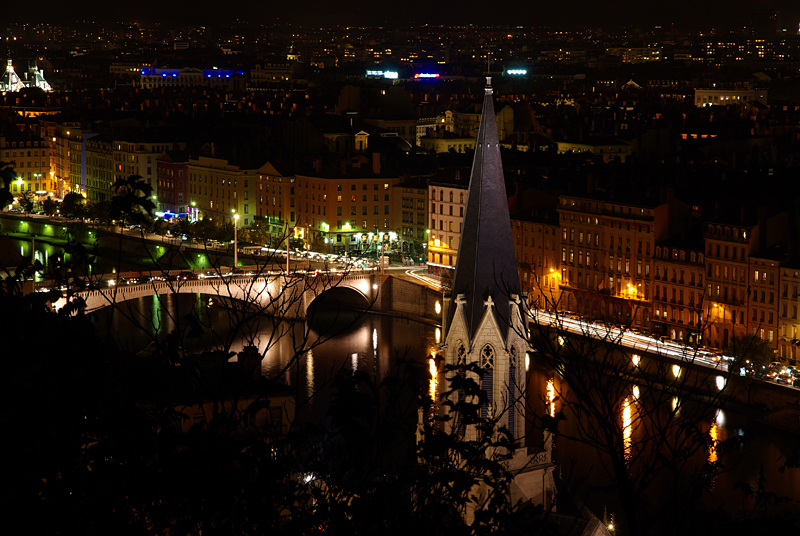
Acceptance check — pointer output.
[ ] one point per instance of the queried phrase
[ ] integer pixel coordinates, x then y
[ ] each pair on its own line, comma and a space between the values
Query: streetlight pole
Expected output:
235, 242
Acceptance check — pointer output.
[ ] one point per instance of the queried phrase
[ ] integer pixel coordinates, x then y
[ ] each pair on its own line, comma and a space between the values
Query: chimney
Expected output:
343, 166
376, 163
318, 165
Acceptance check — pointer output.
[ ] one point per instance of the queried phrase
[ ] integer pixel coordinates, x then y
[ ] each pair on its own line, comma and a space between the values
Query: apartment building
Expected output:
763, 307
678, 289
606, 258
99, 168
537, 241
219, 189
69, 156
788, 340
172, 173
447, 201
274, 200
138, 155
349, 206
30, 156
410, 214
727, 249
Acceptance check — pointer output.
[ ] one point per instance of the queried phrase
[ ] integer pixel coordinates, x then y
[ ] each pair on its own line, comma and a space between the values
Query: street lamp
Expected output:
326, 229
235, 242
308, 245
346, 240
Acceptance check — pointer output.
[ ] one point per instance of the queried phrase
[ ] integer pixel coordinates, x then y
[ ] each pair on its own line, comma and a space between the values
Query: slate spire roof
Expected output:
486, 264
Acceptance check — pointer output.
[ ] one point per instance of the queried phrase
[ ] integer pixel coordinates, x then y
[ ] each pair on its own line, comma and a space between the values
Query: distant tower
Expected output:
484, 317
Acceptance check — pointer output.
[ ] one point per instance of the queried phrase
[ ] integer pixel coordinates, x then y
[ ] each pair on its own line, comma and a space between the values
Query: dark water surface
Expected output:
372, 343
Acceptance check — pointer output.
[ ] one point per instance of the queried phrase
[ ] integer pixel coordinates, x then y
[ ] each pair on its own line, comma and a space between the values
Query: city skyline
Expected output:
683, 14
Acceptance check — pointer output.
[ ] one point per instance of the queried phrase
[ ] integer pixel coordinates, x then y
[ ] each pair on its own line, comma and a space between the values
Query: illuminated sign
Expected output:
382, 74
426, 75
517, 71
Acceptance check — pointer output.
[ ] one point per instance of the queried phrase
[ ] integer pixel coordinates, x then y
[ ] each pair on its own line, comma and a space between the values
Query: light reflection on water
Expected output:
310, 373
626, 427
295, 352
765, 448
434, 381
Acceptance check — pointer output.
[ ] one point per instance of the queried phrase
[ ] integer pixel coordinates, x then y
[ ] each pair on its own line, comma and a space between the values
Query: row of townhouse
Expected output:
645, 265
359, 205
349, 208
649, 265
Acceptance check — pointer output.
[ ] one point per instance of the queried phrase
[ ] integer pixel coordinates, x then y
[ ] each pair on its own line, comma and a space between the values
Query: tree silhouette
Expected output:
648, 414
26, 200
49, 206
132, 201
7, 177
72, 204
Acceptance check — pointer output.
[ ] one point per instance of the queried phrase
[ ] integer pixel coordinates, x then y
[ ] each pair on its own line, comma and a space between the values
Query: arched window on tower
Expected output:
487, 383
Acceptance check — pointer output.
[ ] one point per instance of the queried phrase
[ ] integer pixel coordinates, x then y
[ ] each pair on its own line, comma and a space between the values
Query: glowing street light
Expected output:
235, 242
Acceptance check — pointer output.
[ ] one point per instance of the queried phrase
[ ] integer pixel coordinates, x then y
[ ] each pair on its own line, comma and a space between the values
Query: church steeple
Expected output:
485, 324
484, 320
486, 264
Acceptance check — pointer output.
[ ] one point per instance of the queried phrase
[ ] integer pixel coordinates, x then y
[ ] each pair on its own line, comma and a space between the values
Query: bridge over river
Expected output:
281, 295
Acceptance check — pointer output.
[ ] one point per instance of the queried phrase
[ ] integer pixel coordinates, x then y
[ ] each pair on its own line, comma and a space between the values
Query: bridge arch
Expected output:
345, 297
277, 294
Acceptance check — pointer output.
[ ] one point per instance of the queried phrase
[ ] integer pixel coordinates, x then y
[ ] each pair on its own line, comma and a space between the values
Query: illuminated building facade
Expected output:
788, 325
727, 259
447, 200
30, 156
275, 190
99, 168
763, 307
606, 255
138, 156
349, 206
271, 72
172, 175
724, 97
10, 81
444, 141
157, 77
678, 291
609, 149
218, 189
537, 243
410, 213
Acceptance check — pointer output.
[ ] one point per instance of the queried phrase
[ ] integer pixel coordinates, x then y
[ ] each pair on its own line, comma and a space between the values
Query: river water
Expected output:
373, 343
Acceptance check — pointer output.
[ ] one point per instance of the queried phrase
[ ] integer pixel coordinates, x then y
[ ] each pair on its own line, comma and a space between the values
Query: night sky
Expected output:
683, 13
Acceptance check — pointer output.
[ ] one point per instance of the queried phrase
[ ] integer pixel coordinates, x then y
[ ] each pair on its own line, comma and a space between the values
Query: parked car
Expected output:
785, 377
